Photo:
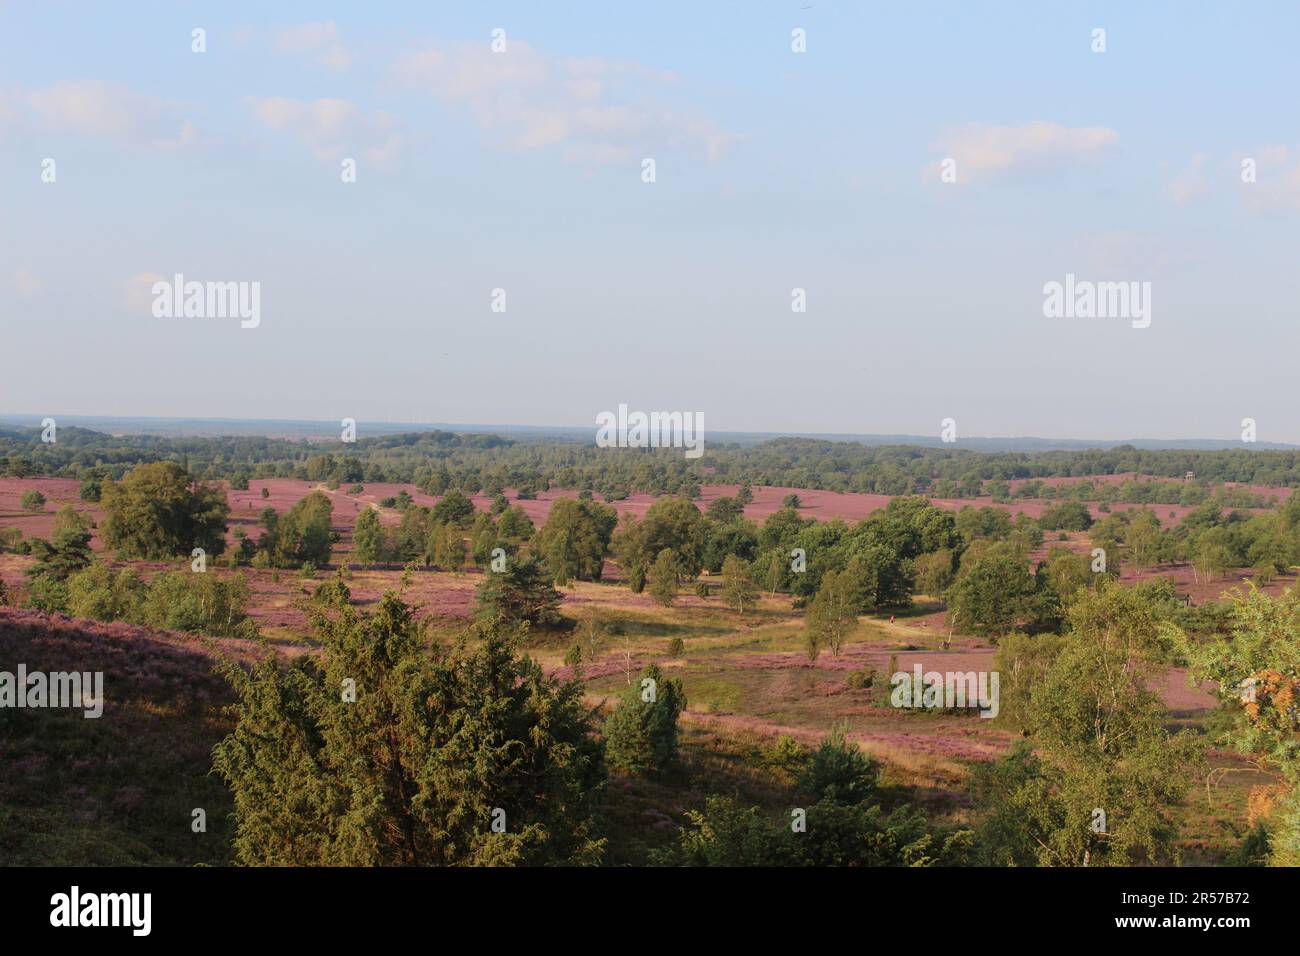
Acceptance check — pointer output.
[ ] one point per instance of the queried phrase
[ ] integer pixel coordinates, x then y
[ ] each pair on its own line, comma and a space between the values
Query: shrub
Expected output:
641, 733
676, 647
839, 772
636, 578
860, 680
332, 591
198, 603
48, 594
397, 780
1264, 574
522, 593
788, 755
33, 501
100, 594
727, 833
9, 539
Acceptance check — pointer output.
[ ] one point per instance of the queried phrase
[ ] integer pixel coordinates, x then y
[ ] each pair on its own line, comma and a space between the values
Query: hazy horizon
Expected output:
276, 427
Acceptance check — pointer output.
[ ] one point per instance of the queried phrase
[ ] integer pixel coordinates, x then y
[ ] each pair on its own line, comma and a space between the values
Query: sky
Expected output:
523, 169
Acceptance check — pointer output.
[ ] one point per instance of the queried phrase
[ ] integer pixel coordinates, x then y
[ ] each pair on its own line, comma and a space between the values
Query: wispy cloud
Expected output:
1266, 177
110, 111
1191, 182
1277, 178
319, 40
593, 110
984, 151
332, 128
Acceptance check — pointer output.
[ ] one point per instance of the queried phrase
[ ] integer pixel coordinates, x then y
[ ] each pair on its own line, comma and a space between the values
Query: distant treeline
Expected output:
437, 461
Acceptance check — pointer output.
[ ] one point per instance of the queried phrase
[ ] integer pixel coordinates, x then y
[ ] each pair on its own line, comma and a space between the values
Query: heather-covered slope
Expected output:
121, 788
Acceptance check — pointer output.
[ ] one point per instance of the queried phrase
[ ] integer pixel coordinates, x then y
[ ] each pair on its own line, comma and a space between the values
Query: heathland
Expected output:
1137, 605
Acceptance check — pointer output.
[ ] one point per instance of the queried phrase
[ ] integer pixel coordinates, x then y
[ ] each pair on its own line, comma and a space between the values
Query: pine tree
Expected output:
368, 538
522, 593
662, 579
382, 753
641, 733
67, 551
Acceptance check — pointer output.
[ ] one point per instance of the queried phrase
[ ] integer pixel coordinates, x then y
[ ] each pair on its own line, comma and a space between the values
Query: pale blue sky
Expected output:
775, 170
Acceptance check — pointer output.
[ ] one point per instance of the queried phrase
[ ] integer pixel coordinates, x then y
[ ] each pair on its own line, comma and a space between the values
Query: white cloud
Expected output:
1277, 178
1276, 184
333, 128
1191, 181
319, 39
983, 151
593, 110
111, 111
